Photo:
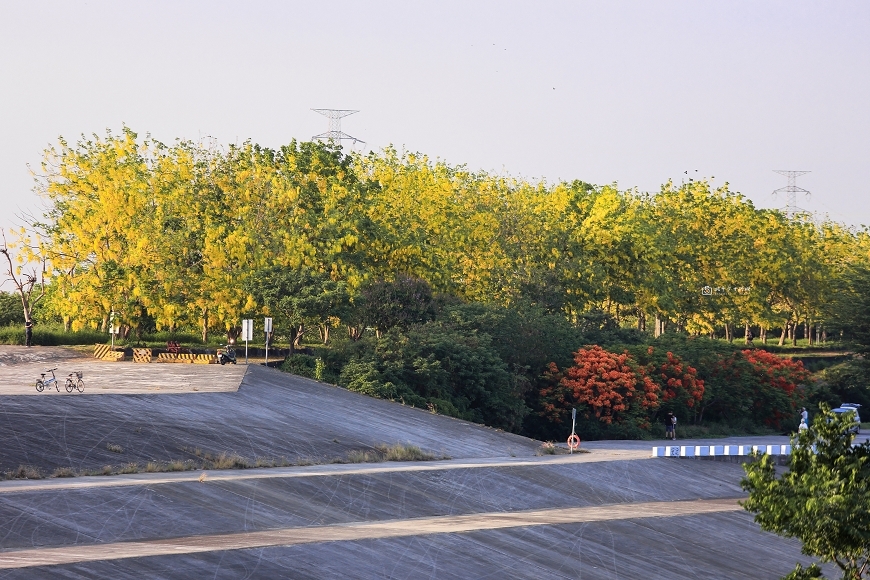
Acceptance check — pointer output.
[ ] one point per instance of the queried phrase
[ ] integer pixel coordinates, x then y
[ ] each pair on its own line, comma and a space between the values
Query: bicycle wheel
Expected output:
39, 386
80, 386
69, 386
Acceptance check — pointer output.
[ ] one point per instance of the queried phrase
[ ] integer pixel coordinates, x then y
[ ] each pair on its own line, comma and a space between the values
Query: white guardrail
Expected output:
718, 450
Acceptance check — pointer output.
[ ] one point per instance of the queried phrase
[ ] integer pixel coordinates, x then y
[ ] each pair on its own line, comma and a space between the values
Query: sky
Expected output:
633, 93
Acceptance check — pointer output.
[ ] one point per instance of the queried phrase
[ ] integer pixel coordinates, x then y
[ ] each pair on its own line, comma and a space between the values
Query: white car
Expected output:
851, 408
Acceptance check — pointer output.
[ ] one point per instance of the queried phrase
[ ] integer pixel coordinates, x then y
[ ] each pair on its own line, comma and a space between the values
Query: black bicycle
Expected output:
74, 382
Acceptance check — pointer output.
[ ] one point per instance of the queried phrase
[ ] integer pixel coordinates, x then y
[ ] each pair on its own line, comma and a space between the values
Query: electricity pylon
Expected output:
791, 190
335, 134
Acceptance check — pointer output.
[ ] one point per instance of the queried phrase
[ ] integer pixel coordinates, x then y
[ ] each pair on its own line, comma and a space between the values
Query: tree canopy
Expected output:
823, 499
176, 233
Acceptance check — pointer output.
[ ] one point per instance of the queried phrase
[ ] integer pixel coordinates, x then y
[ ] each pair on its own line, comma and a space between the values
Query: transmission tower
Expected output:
791, 190
335, 134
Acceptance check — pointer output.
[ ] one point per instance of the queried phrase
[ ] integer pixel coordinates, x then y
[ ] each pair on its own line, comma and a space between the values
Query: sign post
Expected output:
267, 327
247, 334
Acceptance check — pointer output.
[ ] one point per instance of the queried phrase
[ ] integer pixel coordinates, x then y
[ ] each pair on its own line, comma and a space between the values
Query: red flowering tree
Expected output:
611, 387
681, 388
776, 397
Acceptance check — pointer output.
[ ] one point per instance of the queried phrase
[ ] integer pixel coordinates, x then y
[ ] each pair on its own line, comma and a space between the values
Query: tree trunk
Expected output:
298, 338
793, 330
763, 332
746, 331
807, 331
205, 325
641, 321
784, 333
729, 335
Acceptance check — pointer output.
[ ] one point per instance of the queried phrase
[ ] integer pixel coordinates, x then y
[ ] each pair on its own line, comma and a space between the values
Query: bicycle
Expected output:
43, 382
75, 383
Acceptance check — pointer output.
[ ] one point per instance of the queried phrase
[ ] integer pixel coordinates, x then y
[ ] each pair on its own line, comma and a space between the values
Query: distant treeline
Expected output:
182, 236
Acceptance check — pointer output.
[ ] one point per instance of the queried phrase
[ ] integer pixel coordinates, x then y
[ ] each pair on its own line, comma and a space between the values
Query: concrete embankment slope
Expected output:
272, 415
543, 518
494, 511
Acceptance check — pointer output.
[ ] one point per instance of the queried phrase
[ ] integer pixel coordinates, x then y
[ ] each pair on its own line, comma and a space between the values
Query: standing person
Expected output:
670, 424
804, 415
28, 333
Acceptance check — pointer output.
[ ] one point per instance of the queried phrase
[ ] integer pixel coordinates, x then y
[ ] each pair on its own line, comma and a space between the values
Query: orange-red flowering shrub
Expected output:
603, 384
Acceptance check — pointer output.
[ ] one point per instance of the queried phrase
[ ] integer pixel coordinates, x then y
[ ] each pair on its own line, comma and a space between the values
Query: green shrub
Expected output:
303, 365
364, 377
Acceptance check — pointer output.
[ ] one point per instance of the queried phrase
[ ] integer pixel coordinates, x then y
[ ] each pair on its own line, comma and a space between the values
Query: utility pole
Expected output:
791, 190
335, 134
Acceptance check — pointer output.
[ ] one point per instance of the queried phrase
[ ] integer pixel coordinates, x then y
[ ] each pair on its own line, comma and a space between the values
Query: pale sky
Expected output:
627, 92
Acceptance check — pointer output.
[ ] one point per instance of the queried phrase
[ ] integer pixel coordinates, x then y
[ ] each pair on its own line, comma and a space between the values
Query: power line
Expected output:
335, 134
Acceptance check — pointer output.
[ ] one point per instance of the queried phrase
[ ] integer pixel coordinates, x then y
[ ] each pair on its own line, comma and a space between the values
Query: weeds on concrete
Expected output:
546, 448
400, 452
397, 452
207, 461
114, 448
23, 472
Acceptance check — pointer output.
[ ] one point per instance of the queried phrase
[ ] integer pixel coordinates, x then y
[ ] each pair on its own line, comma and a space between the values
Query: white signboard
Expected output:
267, 326
247, 330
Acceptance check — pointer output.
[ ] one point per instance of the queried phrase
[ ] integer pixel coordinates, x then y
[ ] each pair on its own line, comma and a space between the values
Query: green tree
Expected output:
299, 298
398, 303
823, 499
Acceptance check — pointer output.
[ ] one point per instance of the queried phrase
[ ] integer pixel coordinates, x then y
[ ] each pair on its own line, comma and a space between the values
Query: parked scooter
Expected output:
227, 355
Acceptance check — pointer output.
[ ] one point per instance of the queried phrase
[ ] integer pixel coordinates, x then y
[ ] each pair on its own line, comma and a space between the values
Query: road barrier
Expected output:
105, 352
171, 357
142, 355
718, 450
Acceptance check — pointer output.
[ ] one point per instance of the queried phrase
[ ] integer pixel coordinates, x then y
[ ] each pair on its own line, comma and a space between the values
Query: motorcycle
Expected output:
227, 355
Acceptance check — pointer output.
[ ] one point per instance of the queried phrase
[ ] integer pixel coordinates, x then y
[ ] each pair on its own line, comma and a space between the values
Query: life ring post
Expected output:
573, 440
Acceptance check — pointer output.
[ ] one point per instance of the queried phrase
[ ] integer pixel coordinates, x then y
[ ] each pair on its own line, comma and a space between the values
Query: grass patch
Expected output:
360, 456
114, 448
24, 472
225, 461
406, 452
546, 448
207, 461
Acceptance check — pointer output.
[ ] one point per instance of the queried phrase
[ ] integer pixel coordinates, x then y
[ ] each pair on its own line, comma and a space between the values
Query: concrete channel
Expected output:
494, 510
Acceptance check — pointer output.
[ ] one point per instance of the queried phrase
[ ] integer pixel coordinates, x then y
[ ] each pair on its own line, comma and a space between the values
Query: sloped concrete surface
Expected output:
272, 415
277, 415
193, 508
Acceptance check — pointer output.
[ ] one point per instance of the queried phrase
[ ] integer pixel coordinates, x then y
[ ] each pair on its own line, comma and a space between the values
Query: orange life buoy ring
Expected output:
573, 441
